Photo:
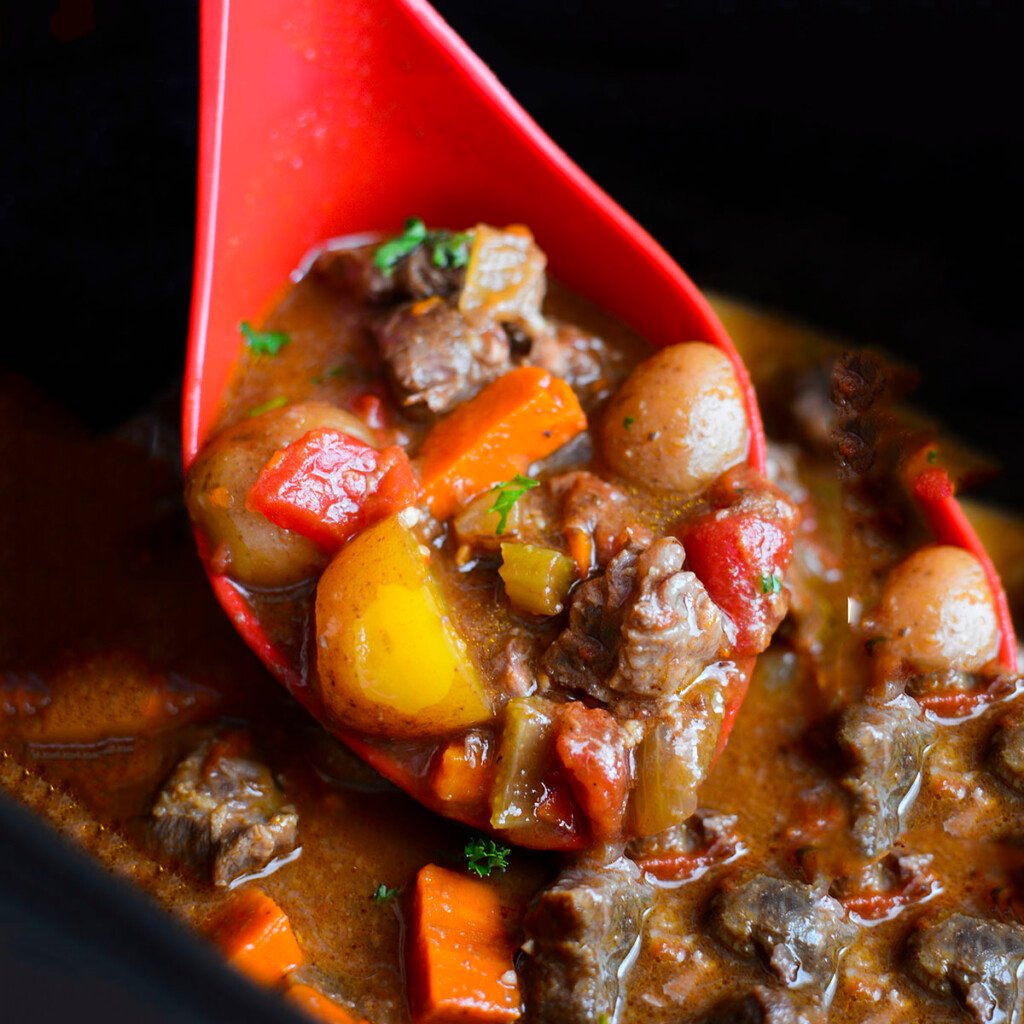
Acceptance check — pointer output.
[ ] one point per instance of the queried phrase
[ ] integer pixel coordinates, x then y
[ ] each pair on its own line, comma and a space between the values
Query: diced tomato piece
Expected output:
371, 410
590, 747
328, 486
740, 551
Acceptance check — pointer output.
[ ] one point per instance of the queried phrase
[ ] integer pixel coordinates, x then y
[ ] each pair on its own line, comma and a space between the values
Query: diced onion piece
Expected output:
523, 758
673, 758
505, 275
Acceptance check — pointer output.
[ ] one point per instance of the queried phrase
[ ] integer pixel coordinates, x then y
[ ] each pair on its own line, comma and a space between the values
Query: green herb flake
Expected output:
448, 249
277, 402
509, 493
382, 894
484, 856
603, 1018
263, 343
933, 457
391, 252
341, 370
771, 583
628, 422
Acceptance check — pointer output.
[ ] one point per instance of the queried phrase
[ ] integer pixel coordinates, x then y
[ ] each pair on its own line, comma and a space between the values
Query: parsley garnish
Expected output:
603, 1018
509, 493
770, 583
628, 422
274, 403
388, 255
450, 250
484, 855
382, 894
933, 457
447, 249
263, 343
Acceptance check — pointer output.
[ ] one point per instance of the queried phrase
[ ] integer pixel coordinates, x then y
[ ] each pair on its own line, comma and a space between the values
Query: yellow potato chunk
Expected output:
937, 612
678, 421
390, 659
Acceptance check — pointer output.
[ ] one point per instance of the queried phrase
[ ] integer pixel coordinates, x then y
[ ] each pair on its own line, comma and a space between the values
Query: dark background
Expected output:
854, 163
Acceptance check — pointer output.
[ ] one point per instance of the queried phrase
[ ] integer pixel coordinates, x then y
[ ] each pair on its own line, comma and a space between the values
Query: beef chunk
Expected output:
568, 353
578, 933
221, 805
798, 931
977, 961
687, 850
886, 745
762, 1006
599, 513
642, 629
415, 277
1008, 751
437, 358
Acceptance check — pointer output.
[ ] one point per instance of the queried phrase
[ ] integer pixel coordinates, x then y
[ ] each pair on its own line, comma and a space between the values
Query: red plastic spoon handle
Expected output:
935, 495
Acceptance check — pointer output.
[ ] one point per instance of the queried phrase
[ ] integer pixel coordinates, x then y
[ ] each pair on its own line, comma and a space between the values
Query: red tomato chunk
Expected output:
328, 486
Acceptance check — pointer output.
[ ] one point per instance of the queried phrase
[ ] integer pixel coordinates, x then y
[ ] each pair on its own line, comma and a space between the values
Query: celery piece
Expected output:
537, 579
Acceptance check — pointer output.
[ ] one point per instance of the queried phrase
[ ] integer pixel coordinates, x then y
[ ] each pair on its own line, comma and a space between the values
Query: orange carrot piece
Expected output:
318, 1006
459, 955
514, 421
464, 771
257, 938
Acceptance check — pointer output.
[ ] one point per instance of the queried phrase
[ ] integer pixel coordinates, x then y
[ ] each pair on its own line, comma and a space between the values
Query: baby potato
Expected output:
390, 660
243, 543
678, 421
937, 612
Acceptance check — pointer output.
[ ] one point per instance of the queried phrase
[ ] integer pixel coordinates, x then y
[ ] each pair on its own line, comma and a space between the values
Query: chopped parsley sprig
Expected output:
484, 856
447, 248
383, 894
771, 583
509, 493
263, 343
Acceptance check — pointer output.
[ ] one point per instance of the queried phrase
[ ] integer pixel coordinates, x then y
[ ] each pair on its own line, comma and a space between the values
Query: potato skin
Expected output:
244, 544
678, 421
937, 612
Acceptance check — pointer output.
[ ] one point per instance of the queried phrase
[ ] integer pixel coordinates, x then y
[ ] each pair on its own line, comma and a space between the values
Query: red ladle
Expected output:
322, 118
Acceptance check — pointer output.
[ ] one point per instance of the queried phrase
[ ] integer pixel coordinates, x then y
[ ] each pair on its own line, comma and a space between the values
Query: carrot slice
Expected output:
257, 938
459, 957
514, 421
318, 1006
464, 771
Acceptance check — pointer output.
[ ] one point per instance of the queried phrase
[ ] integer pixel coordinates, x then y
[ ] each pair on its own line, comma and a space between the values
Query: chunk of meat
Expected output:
643, 629
221, 805
438, 358
597, 519
1008, 751
578, 933
415, 276
886, 745
686, 851
798, 931
763, 1005
977, 961
567, 352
